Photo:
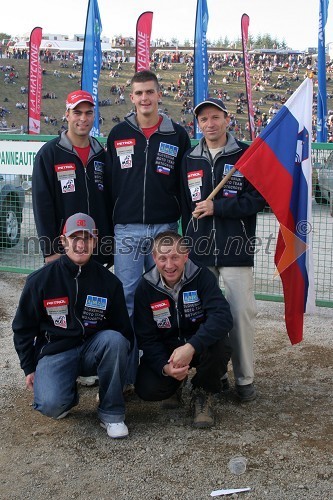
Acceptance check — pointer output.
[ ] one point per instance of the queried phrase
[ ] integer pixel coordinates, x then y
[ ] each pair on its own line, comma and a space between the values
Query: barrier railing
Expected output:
19, 246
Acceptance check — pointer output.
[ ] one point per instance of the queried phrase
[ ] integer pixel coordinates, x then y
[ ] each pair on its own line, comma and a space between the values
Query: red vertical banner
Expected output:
35, 82
245, 36
143, 34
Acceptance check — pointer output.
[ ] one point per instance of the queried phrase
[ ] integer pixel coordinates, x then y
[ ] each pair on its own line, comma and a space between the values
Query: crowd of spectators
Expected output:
273, 81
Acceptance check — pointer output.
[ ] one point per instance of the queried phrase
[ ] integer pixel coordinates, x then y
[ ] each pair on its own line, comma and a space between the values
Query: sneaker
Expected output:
63, 415
116, 431
87, 381
202, 408
246, 392
174, 401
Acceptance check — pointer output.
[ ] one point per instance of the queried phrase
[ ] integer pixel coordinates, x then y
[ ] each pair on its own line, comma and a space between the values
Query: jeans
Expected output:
104, 354
133, 257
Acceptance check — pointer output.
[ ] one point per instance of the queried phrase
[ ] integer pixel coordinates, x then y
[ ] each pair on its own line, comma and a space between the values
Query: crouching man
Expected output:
181, 320
72, 321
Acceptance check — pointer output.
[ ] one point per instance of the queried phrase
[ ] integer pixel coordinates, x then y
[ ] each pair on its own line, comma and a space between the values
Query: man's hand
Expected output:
203, 208
51, 258
182, 356
29, 381
177, 373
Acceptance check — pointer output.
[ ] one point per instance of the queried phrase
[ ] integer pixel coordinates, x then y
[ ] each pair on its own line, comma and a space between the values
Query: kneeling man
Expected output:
72, 321
181, 320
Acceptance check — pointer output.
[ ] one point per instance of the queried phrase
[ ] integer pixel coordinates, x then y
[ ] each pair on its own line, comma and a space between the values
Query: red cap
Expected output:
74, 98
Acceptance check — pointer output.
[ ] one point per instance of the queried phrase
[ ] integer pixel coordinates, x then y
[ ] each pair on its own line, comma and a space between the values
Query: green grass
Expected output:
63, 85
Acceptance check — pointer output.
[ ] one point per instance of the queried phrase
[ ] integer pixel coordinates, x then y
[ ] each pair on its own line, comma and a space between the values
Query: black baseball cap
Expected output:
210, 101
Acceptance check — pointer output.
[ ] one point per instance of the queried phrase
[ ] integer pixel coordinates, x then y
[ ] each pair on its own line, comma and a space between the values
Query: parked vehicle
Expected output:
11, 210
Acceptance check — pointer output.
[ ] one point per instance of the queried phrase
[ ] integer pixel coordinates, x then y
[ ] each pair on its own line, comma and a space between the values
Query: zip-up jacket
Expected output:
146, 172
226, 238
200, 317
62, 186
63, 304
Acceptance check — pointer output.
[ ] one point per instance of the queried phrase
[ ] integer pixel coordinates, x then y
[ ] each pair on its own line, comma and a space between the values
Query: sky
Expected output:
294, 21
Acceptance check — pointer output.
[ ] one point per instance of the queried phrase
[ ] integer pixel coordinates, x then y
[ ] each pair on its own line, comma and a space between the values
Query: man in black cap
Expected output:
222, 231
72, 320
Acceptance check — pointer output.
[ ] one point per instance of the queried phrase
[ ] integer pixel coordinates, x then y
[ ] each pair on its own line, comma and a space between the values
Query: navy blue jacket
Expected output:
200, 317
228, 237
63, 304
146, 172
54, 200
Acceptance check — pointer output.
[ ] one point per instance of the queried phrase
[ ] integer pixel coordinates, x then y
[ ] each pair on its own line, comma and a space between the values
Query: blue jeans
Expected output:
133, 257
104, 354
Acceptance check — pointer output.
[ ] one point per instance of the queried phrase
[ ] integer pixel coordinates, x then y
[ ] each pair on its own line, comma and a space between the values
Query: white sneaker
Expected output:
118, 430
87, 381
63, 415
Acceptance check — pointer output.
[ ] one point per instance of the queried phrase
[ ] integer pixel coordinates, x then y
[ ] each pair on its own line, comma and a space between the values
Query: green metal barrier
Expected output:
19, 246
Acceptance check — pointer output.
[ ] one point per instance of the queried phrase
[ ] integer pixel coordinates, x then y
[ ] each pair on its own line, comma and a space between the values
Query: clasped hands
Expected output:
178, 365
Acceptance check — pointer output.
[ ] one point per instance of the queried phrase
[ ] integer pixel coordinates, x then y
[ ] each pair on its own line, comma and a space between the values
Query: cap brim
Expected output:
72, 106
69, 233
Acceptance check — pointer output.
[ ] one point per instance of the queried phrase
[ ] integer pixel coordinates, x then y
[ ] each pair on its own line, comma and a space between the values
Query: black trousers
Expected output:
210, 365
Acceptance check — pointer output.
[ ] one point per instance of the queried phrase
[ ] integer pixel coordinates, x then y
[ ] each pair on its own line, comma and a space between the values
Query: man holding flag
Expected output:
227, 223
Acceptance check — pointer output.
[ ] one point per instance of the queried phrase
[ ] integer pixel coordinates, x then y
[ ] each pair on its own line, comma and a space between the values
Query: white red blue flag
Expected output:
278, 164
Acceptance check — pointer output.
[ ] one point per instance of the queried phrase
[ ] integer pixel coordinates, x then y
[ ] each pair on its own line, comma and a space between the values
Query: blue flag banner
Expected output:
322, 94
200, 78
92, 58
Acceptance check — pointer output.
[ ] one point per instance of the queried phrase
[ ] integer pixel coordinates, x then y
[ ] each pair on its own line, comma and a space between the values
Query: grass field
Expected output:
63, 84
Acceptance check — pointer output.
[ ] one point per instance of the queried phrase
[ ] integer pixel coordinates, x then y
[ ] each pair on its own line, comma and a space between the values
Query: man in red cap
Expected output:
72, 320
69, 176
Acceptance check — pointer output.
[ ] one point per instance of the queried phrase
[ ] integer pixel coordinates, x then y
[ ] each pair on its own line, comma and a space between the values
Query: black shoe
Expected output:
246, 392
174, 401
225, 385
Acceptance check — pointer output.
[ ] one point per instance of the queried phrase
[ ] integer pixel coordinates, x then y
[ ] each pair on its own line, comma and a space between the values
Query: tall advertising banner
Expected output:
92, 58
200, 80
245, 37
35, 82
322, 94
142, 46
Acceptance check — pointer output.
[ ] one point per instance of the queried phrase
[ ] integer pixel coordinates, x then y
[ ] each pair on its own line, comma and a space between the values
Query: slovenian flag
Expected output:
278, 164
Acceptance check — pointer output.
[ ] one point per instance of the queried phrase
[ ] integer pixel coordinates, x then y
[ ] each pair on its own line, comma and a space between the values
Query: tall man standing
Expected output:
144, 155
228, 224
69, 177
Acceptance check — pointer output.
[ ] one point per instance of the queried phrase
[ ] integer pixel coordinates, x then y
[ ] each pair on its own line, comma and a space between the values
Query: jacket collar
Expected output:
166, 126
95, 146
201, 149
154, 278
68, 265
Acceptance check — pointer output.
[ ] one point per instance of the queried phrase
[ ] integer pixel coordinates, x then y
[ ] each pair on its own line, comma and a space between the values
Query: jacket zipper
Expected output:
175, 302
212, 164
144, 183
76, 296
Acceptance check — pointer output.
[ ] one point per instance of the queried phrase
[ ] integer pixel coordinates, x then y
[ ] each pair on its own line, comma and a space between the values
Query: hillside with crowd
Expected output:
274, 77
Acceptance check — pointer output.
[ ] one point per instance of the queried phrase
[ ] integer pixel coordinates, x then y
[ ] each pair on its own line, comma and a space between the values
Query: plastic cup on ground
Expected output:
237, 465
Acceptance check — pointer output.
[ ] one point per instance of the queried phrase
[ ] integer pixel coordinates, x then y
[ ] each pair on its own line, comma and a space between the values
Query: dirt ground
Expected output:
285, 435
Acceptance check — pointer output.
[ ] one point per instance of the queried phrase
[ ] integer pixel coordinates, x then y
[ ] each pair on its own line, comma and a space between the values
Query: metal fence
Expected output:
19, 247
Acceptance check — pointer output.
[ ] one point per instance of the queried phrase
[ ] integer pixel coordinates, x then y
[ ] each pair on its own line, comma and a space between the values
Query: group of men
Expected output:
94, 209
